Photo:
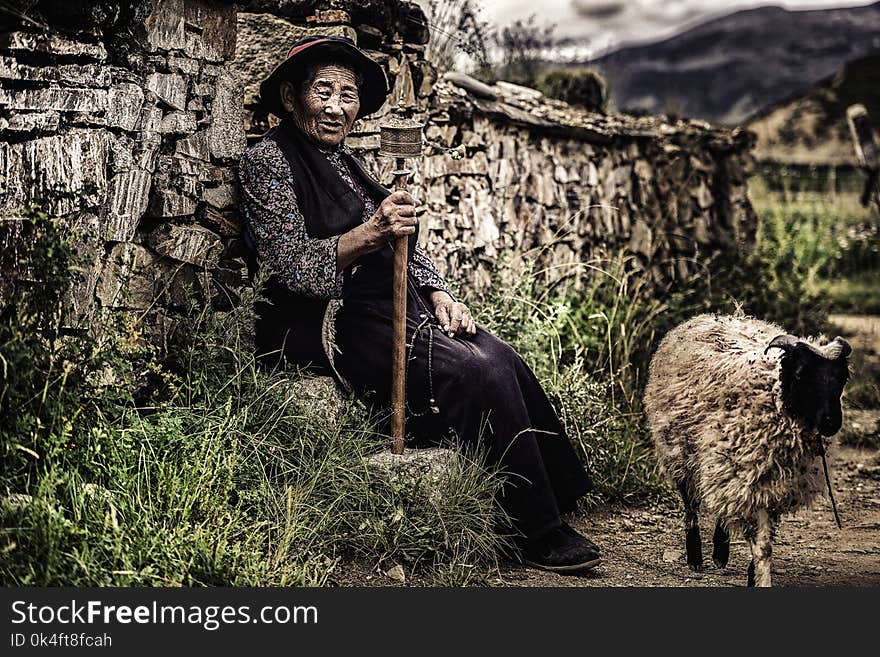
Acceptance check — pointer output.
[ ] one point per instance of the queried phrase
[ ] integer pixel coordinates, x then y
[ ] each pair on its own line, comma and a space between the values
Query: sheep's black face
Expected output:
812, 385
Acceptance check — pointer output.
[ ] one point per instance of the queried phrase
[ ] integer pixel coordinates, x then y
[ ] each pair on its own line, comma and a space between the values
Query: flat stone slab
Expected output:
194, 245
52, 44
75, 163
55, 98
226, 137
428, 467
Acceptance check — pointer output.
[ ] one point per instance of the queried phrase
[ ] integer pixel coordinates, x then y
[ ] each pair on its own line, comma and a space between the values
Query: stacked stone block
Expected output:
541, 178
130, 133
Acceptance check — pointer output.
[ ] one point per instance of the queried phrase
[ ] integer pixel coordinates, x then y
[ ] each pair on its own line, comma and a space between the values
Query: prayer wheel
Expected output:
401, 139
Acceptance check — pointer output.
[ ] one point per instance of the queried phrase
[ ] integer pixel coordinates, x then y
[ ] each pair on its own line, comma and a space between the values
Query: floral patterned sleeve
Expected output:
304, 264
423, 270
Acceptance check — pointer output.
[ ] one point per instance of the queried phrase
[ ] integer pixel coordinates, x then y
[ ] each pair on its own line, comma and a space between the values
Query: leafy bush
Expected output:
580, 87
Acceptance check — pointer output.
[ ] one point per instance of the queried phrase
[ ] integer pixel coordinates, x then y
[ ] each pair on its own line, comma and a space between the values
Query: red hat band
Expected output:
298, 49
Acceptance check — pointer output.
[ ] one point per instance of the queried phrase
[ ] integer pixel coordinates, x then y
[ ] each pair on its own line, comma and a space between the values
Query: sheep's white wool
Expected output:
714, 406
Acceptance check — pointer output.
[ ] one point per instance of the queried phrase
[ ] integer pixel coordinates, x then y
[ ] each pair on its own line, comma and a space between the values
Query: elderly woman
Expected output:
325, 228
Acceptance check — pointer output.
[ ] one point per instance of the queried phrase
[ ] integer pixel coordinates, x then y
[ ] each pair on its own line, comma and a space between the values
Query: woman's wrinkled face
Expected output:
326, 107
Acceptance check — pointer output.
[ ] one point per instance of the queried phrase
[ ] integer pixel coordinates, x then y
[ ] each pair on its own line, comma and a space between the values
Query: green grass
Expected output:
833, 241
203, 469
863, 388
237, 488
857, 294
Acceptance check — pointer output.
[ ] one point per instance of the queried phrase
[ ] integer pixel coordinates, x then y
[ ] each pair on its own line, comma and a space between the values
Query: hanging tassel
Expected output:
830, 492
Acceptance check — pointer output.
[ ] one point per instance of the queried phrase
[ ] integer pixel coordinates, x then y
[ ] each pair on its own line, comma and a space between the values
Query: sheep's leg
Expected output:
764, 545
720, 544
760, 541
692, 541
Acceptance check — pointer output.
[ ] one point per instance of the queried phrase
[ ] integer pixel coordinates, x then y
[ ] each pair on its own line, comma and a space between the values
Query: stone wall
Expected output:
123, 119
126, 120
537, 176
541, 178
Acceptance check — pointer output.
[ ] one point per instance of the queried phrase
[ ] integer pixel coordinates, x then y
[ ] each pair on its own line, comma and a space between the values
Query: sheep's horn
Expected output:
784, 342
837, 349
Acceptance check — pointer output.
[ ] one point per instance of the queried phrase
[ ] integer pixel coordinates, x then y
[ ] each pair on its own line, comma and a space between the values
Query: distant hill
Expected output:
728, 68
810, 127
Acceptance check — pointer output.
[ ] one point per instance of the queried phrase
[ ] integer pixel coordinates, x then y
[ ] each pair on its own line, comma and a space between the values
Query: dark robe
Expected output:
481, 389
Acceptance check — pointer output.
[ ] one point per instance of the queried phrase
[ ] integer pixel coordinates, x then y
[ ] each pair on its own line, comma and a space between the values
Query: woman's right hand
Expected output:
395, 217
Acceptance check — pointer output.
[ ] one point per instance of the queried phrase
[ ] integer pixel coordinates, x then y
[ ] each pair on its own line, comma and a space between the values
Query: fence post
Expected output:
867, 150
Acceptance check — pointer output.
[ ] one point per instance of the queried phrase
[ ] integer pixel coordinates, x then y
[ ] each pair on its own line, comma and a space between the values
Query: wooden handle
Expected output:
398, 354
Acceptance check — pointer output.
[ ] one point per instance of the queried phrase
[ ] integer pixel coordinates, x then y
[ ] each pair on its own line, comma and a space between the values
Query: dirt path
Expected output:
645, 547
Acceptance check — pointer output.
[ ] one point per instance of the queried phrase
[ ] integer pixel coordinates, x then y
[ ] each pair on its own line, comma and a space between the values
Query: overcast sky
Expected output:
609, 23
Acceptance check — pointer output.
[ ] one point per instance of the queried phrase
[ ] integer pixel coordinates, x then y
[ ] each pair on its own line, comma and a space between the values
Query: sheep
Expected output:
739, 412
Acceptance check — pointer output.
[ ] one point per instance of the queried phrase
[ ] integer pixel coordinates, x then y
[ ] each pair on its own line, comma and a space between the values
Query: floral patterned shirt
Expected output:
306, 265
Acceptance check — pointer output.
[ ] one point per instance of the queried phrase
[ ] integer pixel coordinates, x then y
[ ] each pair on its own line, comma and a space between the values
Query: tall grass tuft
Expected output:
582, 340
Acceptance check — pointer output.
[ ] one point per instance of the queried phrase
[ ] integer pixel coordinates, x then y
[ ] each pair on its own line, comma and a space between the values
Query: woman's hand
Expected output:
394, 218
454, 317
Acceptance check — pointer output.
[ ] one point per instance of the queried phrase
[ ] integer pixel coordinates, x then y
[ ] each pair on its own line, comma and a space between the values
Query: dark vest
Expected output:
292, 322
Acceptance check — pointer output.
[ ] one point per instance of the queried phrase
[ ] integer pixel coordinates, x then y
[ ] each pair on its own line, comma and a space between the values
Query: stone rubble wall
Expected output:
538, 176
129, 131
128, 124
541, 179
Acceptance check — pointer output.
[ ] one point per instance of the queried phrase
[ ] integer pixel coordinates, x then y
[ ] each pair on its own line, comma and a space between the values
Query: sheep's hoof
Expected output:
720, 545
721, 555
694, 549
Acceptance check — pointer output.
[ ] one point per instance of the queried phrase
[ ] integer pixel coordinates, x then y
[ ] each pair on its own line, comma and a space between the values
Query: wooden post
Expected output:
398, 355
867, 150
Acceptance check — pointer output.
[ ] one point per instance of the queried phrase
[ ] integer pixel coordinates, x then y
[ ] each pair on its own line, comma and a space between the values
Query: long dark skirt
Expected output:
482, 390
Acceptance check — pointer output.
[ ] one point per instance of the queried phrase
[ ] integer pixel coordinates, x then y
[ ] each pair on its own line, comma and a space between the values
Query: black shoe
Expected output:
580, 538
559, 552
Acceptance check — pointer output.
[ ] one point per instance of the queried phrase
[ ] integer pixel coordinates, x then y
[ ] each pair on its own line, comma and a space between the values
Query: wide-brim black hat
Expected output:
373, 91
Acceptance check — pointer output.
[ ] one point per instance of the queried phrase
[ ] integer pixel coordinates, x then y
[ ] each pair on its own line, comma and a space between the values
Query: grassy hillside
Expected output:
811, 128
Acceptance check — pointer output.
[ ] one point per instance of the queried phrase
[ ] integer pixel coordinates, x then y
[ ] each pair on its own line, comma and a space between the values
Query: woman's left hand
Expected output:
454, 317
